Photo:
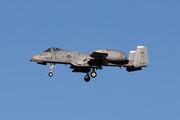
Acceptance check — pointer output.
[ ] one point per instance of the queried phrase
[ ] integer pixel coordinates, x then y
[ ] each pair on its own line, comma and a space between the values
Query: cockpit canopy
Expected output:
53, 49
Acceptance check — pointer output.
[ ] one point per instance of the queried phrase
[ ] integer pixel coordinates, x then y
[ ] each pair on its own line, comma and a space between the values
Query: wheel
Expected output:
93, 74
50, 74
87, 78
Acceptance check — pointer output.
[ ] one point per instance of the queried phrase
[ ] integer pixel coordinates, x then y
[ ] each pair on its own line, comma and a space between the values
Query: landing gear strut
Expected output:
51, 67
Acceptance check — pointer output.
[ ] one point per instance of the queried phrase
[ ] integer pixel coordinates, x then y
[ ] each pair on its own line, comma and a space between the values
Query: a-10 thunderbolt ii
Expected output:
86, 63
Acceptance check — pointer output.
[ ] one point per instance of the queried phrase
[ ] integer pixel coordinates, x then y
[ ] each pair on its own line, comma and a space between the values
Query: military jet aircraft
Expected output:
86, 63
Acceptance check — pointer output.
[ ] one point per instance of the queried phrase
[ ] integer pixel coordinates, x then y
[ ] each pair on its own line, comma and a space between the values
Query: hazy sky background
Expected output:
30, 27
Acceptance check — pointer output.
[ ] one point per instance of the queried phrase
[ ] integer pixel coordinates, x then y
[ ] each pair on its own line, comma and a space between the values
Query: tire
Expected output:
50, 74
93, 74
87, 78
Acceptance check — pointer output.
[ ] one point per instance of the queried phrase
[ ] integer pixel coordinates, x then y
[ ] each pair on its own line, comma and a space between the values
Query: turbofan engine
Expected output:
114, 55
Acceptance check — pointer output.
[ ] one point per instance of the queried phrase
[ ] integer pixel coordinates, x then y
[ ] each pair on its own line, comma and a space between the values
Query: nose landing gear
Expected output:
51, 67
50, 74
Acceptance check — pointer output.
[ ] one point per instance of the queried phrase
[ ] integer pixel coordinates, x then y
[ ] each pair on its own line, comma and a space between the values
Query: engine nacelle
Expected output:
114, 55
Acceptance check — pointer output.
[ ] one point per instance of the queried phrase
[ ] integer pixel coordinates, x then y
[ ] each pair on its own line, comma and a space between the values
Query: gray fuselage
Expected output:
61, 57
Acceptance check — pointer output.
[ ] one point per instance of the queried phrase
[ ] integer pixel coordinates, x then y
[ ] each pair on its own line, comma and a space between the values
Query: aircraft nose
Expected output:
35, 57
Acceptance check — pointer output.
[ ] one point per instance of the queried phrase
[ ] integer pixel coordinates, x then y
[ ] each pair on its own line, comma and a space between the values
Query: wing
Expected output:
97, 58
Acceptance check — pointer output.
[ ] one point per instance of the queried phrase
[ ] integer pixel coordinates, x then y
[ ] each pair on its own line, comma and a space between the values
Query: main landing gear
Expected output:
93, 75
52, 67
87, 78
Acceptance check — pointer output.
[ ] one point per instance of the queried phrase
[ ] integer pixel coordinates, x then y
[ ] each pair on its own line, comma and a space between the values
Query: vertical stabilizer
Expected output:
141, 57
132, 55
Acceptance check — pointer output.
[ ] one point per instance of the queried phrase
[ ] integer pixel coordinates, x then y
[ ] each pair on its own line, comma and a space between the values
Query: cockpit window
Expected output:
53, 49
48, 50
56, 49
